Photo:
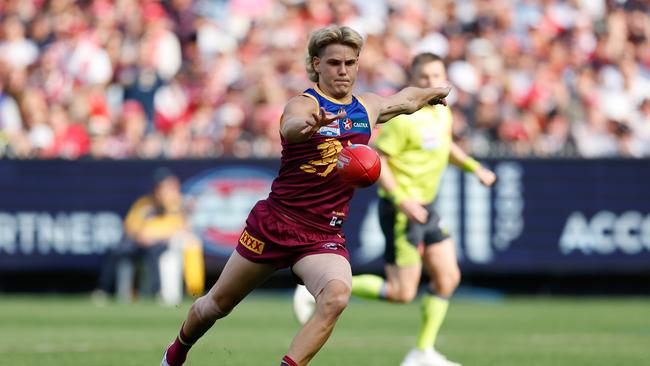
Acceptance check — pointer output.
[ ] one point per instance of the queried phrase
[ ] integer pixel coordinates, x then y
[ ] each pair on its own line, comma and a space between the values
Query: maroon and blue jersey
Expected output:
308, 188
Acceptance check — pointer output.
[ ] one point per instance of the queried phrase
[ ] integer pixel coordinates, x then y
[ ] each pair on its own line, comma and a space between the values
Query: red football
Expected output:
358, 165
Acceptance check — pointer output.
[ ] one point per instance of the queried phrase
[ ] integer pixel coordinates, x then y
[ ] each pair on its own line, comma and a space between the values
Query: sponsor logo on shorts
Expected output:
251, 243
336, 221
331, 246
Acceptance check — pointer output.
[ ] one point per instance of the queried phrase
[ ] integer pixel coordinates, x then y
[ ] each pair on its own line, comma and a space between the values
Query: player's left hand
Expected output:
486, 176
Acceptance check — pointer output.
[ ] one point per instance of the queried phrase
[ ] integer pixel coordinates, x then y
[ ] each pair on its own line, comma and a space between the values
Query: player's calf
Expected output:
202, 315
208, 309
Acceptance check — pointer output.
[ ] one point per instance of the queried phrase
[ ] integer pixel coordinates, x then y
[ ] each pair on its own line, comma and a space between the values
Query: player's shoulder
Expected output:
302, 98
373, 103
302, 102
370, 100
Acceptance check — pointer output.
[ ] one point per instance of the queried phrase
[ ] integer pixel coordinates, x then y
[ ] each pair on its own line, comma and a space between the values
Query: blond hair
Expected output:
324, 37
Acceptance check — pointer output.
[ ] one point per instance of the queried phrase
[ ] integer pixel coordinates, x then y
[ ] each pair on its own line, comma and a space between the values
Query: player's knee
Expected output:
208, 308
334, 298
336, 303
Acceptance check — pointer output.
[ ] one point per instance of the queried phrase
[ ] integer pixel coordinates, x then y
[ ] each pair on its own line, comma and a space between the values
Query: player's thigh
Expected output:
238, 278
405, 279
440, 259
317, 270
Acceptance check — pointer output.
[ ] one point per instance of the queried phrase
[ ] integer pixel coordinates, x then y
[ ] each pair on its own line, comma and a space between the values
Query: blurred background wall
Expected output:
563, 226
554, 95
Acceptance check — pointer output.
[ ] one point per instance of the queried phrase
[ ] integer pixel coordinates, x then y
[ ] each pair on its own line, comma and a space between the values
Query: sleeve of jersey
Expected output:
391, 139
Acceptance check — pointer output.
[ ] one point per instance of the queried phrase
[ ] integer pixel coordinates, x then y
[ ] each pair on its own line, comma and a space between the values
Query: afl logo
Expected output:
347, 125
219, 201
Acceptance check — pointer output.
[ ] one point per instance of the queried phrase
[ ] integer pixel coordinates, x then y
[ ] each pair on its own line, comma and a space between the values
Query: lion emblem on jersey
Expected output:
329, 152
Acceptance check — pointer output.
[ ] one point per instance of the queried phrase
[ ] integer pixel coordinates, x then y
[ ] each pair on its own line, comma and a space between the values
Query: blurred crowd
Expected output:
208, 78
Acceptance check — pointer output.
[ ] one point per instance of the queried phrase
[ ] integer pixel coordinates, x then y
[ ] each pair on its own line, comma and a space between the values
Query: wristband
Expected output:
470, 165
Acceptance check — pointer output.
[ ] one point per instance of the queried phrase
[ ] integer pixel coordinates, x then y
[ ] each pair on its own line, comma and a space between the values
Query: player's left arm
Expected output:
406, 101
460, 159
302, 118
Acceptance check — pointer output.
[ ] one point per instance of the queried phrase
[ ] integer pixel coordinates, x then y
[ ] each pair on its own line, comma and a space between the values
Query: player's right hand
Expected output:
414, 211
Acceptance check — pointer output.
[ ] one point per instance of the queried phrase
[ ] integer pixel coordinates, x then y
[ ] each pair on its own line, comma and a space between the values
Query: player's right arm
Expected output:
302, 117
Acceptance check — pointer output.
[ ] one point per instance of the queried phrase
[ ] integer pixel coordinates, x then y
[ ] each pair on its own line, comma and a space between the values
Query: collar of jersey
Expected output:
333, 100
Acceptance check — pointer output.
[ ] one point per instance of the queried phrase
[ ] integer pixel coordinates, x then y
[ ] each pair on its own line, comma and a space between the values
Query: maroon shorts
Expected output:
277, 240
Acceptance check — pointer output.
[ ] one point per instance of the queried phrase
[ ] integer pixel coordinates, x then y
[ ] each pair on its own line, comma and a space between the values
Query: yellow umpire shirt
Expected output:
418, 146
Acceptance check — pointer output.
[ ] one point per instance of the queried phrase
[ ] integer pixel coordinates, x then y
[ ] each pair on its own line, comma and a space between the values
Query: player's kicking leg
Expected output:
239, 277
400, 285
328, 276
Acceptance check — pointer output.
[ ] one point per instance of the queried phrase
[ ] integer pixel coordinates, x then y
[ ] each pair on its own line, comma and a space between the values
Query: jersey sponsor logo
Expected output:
251, 243
331, 129
357, 126
360, 124
334, 128
219, 202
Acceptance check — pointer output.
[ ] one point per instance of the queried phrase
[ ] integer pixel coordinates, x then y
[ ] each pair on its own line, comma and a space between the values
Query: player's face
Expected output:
337, 70
429, 74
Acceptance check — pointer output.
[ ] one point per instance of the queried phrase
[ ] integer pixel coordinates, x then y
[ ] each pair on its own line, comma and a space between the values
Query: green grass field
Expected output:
60, 331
